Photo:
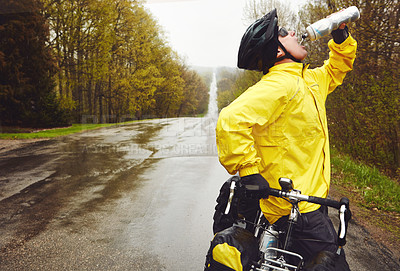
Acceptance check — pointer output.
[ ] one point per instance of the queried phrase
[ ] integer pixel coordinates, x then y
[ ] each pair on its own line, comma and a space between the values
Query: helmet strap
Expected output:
287, 54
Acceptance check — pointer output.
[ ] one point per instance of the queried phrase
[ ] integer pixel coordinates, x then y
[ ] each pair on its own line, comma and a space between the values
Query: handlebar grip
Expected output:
345, 201
324, 201
275, 192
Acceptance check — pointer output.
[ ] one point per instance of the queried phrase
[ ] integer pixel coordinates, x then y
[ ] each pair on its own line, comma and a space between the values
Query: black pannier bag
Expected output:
222, 220
234, 248
240, 207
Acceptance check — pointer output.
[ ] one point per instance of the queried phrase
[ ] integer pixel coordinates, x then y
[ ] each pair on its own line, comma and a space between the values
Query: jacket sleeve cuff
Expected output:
248, 171
342, 45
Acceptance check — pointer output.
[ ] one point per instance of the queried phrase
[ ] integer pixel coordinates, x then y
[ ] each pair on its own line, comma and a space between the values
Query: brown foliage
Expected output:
364, 111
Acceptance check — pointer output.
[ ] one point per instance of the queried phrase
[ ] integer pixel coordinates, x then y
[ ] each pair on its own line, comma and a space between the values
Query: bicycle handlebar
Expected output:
294, 194
342, 206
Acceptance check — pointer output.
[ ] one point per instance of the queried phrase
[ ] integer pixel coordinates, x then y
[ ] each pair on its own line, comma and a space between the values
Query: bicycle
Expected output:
273, 245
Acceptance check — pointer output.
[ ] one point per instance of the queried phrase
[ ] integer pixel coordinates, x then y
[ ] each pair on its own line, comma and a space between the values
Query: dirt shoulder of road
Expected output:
384, 227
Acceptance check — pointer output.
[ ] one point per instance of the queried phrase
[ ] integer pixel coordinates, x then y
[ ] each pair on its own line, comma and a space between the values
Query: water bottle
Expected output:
269, 239
325, 26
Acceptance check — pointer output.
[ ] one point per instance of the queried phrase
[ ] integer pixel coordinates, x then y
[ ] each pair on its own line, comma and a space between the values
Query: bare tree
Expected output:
287, 14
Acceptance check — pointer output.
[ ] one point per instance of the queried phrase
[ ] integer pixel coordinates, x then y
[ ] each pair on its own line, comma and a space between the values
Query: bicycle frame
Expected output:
279, 262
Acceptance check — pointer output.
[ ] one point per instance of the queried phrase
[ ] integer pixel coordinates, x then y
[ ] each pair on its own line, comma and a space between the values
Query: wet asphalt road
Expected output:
137, 197
134, 197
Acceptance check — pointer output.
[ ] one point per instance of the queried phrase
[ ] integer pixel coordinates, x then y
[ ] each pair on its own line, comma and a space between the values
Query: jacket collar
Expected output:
292, 68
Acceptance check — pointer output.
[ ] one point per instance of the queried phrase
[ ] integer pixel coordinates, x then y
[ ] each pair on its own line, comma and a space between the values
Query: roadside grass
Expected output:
375, 196
50, 133
376, 190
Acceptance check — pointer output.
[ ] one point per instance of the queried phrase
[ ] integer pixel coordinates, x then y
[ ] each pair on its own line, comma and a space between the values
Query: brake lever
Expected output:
231, 194
345, 216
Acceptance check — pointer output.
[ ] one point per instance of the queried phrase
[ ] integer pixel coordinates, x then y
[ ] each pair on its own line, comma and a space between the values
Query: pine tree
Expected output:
26, 67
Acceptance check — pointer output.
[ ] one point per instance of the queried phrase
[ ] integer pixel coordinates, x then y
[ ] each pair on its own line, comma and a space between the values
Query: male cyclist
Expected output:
278, 127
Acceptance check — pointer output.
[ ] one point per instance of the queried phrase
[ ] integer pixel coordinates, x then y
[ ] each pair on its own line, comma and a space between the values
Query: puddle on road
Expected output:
91, 171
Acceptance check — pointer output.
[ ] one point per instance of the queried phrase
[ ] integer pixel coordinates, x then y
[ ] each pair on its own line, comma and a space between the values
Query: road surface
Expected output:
133, 197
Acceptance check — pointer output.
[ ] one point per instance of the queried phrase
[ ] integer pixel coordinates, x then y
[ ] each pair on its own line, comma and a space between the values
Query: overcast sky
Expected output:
205, 32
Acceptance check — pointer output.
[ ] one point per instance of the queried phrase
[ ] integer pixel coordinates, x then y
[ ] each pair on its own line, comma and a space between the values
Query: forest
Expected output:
100, 61
363, 113
106, 61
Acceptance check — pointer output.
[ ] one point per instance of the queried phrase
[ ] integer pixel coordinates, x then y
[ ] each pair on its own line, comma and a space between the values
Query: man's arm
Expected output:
258, 106
340, 62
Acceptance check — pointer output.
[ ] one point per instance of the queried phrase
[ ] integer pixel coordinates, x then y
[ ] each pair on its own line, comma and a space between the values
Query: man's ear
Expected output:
280, 53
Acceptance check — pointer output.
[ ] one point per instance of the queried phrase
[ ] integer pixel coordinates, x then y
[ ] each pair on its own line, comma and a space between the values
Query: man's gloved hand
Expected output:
255, 186
340, 35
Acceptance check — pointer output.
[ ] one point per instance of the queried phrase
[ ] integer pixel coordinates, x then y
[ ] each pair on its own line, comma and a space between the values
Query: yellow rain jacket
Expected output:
278, 128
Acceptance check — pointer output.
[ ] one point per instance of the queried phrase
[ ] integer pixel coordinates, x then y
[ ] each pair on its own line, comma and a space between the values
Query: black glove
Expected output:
340, 35
255, 186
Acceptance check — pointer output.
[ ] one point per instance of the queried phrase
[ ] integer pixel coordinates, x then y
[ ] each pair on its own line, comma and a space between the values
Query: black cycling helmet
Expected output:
259, 44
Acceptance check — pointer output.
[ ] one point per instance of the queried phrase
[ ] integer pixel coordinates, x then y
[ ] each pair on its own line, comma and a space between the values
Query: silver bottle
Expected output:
325, 26
269, 239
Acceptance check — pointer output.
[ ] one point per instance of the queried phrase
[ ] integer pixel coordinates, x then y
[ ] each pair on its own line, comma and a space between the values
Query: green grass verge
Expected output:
376, 190
75, 128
